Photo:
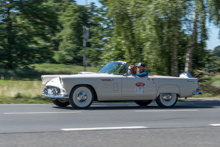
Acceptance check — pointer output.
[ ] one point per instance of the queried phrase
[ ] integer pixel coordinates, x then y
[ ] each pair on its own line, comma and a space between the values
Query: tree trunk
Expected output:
174, 62
10, 39
188, 63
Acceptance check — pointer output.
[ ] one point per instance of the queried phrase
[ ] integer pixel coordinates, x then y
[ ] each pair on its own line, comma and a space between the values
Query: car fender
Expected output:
168, 88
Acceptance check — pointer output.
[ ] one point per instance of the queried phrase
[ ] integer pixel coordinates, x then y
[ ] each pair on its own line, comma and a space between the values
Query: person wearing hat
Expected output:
141, 69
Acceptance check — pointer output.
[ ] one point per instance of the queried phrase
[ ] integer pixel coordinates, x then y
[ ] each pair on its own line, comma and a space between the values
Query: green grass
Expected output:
61, 68
204, 94
18, 89
21, 92
210, 88
24, 101
27, 88
216, 80
36, 70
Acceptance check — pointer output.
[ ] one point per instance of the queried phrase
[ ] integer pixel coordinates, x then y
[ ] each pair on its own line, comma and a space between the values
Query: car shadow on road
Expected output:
185, 104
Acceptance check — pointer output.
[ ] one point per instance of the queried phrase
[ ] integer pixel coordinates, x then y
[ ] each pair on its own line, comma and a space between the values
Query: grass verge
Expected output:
216, 80
21, 92
24, 86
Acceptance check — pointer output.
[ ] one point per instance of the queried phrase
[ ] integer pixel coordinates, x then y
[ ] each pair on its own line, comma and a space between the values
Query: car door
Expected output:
138, 88
108, 87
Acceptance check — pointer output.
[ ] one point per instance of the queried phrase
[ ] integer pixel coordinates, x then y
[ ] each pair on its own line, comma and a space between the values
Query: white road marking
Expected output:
103, 128
215, 125
41, 112
177, 110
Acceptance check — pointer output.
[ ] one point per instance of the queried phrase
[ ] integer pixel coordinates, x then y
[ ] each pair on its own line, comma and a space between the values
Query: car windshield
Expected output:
113, 68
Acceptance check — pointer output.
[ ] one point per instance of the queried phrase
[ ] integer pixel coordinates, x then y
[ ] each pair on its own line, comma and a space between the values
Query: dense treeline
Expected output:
169, 36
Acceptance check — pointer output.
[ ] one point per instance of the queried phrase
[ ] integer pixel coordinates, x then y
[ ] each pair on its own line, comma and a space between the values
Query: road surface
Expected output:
194, 122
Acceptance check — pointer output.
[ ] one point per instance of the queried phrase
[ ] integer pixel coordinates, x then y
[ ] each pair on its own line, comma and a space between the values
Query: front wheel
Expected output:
81, 97
167, 100
61, 102
143, 103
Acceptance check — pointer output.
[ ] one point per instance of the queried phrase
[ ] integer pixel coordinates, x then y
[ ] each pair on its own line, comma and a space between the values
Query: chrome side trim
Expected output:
106, 79
197, 92
64, 96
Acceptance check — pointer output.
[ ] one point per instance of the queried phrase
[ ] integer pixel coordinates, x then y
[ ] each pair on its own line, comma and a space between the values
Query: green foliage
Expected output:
216, 51
207, 83
154, 32
126, 20
114, 50
214, 66
145, 30
24, 28
100, 33
72, 18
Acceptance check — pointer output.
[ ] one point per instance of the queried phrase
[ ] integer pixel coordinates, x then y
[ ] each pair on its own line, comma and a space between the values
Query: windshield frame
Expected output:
119, 62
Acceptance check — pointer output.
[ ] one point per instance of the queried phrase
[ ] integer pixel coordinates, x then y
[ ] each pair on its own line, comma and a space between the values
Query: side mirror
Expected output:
125, 74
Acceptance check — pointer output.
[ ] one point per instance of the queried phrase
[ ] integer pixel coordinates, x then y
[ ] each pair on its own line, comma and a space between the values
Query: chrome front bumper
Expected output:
197, 92
63, 96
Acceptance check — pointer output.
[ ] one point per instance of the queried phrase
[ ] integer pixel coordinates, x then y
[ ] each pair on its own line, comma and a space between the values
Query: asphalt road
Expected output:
194, 122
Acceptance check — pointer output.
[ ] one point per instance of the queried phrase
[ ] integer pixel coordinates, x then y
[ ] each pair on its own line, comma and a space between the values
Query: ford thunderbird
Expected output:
113, 83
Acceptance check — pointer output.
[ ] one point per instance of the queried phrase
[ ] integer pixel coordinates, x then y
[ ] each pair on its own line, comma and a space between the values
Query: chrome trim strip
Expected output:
106, 79
64, 96
197, 92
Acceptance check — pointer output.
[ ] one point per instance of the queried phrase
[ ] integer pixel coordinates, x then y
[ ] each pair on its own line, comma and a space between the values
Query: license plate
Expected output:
49, 91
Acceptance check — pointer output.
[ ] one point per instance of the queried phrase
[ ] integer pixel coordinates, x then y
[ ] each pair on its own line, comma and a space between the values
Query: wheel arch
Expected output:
178, 95
93, 89
168, 88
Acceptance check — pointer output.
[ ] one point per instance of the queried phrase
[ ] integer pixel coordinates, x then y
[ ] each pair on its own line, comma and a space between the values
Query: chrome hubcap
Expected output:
81, 96
167, 97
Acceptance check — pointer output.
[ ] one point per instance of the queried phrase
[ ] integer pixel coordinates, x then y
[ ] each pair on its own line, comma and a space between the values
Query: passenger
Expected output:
141, 69
132, 69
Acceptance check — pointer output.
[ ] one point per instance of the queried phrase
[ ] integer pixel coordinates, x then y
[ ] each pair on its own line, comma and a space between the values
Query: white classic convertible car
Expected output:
113, 83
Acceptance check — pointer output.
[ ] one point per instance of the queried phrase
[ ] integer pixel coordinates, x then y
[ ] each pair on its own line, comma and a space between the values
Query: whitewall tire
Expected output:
81, 97
167, 100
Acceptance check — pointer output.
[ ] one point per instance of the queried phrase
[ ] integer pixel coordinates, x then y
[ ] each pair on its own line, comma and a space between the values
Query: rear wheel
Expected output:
81, 97
61, 102
167, 100
143, 103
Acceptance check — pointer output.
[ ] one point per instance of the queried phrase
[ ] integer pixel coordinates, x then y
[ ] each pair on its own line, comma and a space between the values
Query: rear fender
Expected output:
168, 89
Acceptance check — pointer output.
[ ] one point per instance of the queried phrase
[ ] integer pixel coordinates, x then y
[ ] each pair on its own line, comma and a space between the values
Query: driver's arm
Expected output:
143, 74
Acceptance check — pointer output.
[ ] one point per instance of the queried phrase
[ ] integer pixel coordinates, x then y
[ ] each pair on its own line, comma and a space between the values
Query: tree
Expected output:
216, 51
100, 35
70, 38
163, 20
24, 27
201, 11
126, 18
149, 30
156, 31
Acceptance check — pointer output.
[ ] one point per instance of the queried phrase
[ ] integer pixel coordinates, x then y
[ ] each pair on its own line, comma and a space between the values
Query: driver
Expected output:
141, 69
